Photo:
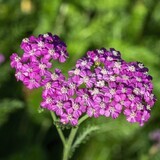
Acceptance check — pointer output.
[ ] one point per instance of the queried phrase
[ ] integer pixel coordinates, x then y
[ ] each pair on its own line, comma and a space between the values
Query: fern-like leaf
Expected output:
82, 138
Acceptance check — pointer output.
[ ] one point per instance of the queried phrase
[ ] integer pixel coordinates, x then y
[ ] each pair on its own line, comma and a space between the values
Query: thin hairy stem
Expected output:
59, 129
70, 140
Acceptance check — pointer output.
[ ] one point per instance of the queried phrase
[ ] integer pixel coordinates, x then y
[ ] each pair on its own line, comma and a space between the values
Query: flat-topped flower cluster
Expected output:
39, 52
101, 84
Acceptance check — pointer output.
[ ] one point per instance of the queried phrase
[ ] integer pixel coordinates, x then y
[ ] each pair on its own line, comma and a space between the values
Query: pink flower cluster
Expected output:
101, 84
39, 52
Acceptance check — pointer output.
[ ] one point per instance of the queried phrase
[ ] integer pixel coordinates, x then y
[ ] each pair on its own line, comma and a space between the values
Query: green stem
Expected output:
67, 144
67, 147
59, 129
82, 119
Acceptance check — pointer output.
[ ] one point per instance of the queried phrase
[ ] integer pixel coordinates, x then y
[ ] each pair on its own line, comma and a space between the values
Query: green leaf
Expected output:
84, 136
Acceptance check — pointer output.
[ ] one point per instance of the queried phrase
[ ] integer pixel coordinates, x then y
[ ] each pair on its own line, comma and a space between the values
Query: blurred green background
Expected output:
130, 26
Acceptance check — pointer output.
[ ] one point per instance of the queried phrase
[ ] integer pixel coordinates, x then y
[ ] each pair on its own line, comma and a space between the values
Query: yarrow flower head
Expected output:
101, 84
37, 58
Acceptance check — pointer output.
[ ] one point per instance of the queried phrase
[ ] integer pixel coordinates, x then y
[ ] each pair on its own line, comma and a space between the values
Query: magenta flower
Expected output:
32, 81
2, 58
86, 78
37, 57
15, 61
100, 84
69, 118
